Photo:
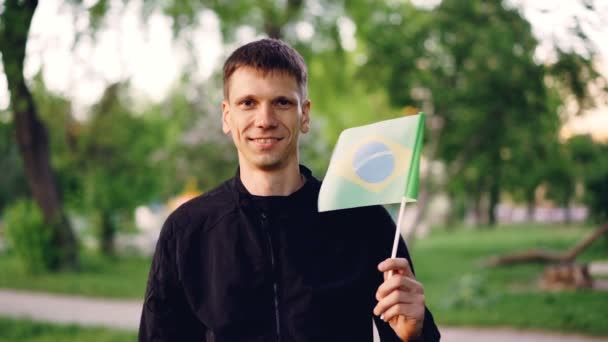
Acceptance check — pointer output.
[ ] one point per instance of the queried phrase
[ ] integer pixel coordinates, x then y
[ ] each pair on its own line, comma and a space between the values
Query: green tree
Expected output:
31, 134
55, 112
115, 163
12, 182
473, 63
590, 164
561, 178
194, 146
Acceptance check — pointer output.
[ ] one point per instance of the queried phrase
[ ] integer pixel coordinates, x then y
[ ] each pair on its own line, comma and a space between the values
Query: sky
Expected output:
152, 59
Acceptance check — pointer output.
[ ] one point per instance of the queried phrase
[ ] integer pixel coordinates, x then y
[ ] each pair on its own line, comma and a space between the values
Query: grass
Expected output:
460, 291
12, 330
120, 277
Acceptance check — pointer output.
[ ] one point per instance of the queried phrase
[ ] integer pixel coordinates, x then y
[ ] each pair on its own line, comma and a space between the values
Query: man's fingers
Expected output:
404, 309
401, 283
396, 264
397, 298
391, 273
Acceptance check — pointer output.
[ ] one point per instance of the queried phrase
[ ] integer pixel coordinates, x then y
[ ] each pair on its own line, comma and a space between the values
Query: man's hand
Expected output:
400, 299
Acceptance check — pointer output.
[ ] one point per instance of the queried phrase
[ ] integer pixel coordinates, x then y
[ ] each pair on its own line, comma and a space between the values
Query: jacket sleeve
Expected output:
430, 332
166, 315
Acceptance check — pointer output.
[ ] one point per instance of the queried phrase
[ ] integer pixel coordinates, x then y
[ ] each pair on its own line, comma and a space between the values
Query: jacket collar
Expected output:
310, 187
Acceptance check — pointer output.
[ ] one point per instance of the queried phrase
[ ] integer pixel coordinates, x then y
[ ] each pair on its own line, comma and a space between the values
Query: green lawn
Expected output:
460, 291
12, 330
99, 277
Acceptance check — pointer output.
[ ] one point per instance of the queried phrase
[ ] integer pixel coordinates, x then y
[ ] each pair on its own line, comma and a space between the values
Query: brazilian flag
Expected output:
374, 164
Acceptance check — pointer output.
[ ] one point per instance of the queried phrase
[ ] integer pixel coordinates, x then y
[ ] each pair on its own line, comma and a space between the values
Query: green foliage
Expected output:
106, 163
29, 238
473, 63
560, 176
457, 290
590, 166
193, 145
12, 183
56, 113
461, 292
99, 276
21, 330
470, 291
596, 187
574, 73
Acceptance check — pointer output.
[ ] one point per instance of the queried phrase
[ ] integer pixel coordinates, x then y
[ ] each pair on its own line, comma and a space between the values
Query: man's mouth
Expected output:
265, 140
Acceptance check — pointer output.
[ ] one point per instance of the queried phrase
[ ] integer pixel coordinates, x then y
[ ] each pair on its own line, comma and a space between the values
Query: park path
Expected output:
121, 314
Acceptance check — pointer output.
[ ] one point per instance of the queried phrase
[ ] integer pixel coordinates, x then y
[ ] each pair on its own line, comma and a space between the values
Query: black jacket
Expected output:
227, 270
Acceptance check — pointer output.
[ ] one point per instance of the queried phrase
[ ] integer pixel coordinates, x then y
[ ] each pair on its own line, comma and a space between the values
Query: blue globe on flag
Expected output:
373, 162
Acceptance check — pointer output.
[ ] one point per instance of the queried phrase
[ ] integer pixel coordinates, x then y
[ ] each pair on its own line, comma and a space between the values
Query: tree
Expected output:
338, 101
31, 134
12, 182
115, 157
590, 163
474, 62
561, 178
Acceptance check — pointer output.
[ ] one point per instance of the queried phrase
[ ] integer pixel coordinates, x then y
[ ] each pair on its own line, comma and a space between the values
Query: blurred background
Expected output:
110, 118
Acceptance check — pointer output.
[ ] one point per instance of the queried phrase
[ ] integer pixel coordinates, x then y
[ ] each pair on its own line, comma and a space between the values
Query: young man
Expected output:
253, 260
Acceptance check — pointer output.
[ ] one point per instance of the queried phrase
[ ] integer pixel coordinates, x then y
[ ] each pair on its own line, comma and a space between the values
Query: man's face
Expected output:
265, 113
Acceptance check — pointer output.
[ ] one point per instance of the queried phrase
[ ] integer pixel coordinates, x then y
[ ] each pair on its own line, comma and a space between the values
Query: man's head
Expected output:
265, 105
268, 55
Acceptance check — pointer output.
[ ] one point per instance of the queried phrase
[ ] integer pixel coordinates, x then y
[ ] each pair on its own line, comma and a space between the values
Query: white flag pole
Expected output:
397, 236
397, 233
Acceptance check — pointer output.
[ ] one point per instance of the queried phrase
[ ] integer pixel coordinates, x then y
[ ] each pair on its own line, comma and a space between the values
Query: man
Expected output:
253, 260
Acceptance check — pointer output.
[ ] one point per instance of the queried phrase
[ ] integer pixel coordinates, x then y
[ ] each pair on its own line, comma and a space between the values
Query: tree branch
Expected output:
545, 256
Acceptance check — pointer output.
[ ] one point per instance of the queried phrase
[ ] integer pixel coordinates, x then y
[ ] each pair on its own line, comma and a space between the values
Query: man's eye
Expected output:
247, 103
283, 102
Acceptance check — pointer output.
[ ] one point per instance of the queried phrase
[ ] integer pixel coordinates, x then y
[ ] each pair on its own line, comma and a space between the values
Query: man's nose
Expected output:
265, 117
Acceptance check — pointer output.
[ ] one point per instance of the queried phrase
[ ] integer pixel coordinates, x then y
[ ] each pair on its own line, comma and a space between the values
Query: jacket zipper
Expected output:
275, 286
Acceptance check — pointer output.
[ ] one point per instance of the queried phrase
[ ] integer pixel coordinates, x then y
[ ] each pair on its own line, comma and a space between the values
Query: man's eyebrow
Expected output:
244, 97
285, 97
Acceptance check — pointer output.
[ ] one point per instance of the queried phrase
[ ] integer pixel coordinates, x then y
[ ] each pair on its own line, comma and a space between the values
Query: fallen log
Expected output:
571, 276
547, 256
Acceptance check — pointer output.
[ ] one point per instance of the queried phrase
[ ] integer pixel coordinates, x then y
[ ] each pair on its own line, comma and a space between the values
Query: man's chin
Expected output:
269, 163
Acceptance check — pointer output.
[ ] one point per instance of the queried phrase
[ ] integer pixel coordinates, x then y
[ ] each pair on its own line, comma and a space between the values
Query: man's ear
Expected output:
305, 119
225, 117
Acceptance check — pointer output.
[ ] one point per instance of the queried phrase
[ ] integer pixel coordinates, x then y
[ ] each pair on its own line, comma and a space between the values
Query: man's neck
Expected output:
280, 182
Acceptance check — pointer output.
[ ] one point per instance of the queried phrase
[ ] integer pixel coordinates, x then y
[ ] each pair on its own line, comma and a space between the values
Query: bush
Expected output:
28, 237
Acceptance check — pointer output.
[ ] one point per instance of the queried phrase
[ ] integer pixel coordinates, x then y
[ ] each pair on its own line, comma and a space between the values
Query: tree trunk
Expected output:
544, 256
477, 208
273, 31
457, 211
275, 19
567, 213
493, 202
531, 205
31, 133
107, 233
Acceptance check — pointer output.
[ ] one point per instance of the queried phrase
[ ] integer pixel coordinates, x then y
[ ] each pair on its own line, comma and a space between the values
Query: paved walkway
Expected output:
70, 309
120, 314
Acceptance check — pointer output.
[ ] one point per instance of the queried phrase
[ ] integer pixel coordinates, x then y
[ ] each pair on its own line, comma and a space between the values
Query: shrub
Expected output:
28, 237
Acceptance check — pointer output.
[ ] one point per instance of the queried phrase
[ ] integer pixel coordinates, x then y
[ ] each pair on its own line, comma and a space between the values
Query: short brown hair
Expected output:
268, 55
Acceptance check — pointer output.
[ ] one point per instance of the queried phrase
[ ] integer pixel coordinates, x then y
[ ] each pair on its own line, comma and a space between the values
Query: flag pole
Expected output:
396, 241
398, 230
397, 233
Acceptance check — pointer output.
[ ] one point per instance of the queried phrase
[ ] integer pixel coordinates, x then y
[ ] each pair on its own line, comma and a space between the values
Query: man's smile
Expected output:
265, 142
